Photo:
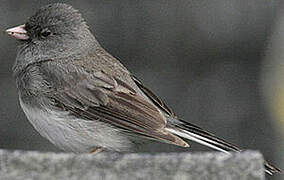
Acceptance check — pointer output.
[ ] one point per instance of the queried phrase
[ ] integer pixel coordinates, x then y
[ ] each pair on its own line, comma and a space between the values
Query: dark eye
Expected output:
45, 32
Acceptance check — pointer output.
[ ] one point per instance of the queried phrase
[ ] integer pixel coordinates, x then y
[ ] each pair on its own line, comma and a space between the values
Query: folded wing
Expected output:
99, 96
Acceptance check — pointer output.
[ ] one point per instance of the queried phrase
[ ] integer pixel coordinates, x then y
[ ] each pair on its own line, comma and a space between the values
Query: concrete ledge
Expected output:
22, 165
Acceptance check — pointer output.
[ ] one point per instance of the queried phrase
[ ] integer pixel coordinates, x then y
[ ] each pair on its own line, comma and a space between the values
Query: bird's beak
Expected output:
18, 32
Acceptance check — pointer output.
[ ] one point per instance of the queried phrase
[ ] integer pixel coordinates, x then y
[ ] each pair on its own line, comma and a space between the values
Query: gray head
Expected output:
54, 31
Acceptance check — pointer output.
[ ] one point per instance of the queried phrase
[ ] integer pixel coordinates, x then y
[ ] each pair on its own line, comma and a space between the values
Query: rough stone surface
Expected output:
22, 165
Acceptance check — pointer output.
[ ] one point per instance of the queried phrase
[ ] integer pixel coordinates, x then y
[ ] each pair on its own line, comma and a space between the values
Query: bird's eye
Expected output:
45, 32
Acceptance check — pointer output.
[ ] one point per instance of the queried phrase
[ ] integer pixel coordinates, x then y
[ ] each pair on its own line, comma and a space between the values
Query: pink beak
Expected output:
18, 32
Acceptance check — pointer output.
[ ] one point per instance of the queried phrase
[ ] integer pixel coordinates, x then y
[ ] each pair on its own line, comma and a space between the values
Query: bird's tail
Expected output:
194, 133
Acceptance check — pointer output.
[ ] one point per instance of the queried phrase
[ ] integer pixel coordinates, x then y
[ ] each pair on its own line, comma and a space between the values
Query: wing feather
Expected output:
99, 96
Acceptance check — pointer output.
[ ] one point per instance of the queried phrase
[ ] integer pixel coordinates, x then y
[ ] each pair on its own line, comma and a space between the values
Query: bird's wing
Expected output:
99, 96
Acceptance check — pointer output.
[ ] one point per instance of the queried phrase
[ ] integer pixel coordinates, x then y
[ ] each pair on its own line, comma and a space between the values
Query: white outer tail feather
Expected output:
200, 139
197, 138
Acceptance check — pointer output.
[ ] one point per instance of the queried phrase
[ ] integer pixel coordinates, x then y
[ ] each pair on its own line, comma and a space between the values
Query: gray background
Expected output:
207, 59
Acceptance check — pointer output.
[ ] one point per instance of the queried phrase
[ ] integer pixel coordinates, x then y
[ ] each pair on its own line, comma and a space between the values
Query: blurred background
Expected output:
217, 63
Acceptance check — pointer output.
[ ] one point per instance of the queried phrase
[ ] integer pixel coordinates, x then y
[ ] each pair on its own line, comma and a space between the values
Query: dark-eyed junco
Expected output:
83, 99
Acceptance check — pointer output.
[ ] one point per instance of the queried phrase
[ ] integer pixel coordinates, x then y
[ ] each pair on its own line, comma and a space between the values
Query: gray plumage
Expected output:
81, 98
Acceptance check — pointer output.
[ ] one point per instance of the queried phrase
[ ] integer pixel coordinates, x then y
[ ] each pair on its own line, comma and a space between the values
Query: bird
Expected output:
83, 99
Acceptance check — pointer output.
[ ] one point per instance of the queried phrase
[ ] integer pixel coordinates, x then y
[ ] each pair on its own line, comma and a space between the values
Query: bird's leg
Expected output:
96, 150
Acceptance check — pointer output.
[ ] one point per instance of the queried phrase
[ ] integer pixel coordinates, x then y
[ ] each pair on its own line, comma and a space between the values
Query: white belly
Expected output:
73, 134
